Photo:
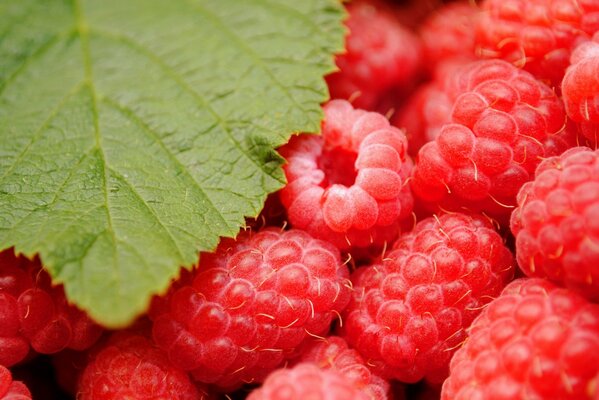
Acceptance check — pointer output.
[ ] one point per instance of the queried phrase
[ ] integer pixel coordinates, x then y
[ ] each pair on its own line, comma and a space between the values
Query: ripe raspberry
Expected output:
535, 341
580, 89
251, 303
504, 123
12, 390
557, 222
307, 381
448, 33
429, 107
130, 366
537, 35
348, 186
334, 353
381, 55
410, 310
34, 313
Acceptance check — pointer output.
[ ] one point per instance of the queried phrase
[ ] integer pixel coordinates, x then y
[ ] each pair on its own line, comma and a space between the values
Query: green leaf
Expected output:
135, 133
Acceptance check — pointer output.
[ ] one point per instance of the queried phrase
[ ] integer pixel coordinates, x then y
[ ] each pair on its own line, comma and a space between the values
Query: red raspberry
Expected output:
557, 222
381, 55
410, 310
429, 107
580, 89
504, 123
12, 390
348, 186
448, 33
251, 303
334, 353
130, 366
307, 381
34, 313
535, 341
537, 35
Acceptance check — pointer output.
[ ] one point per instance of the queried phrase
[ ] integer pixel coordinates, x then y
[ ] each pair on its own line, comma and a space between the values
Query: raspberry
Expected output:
348, 186
535, 341
537, 35
12, 390
410, 310
556, 224
250, 305
35, 314
307, 381
503, 123
334, 353
428, 108
381, 55
580, 88
130, 366
448, 33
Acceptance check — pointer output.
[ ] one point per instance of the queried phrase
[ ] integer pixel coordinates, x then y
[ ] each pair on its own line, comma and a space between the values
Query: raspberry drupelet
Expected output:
130, 366
334, 353
250, 304
503, 124
307, 381
580, 89
348, 186
535, 341
410, 310
429, 107
556, 224
449, 33
380, 55
12, 390
34, 315
537, 35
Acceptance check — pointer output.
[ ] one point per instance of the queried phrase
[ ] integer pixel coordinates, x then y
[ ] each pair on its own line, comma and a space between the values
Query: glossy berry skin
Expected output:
130, 366
380, 55
348, 186
307, 381
12, 390
580, 89
535, 341
250, 305
411, 309
334, 353
556, 224
449, 33
537, 35
504, 122
36, 316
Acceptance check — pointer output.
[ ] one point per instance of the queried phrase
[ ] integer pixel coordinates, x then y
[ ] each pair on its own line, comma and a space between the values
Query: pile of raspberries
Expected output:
438, 240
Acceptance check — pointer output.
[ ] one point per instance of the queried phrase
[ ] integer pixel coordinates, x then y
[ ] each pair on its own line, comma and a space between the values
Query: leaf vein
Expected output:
130, 114
184, 85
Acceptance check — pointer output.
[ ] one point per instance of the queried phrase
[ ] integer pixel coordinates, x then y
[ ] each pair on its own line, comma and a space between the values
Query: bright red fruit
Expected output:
250, 304
411, 309
349, 185
504, 122
537, 35
449, 33
556, 224
12, 390
307, 381
580, 89
380, 55
334, 353
34, 314
129, 366
535, 341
